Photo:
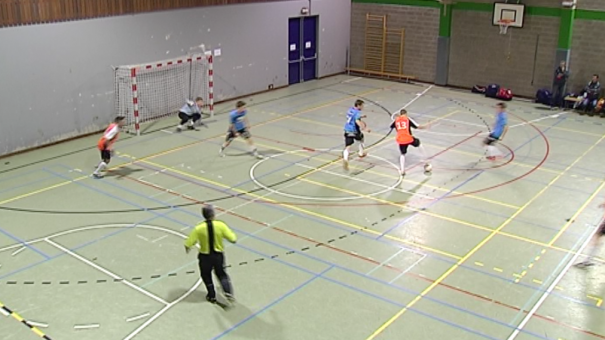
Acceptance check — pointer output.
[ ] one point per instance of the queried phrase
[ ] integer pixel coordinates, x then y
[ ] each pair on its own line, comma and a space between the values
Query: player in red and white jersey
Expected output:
404, 125
105, 144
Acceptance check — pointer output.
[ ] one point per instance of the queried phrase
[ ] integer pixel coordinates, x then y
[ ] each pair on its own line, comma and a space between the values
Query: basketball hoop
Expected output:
504, 25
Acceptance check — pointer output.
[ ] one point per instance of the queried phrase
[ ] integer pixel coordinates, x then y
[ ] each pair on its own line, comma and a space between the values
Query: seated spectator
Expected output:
591, 96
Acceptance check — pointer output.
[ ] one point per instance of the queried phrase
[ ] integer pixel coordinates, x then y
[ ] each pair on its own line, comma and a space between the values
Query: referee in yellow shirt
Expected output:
209, 235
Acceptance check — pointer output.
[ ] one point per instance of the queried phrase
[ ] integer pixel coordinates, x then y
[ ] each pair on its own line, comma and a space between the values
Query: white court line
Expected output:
556, 115
138, 317
364, 181
409, 268
159, 238
386, 261
142, 238
350, 80
162, 311
18, 251
38, 324
107, 272
552, 286
94, 325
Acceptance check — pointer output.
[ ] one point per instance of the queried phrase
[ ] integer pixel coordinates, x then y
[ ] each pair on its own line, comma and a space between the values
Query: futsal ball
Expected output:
428, 168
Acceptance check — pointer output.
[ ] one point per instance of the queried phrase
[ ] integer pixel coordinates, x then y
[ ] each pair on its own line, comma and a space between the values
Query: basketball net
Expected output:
504, 24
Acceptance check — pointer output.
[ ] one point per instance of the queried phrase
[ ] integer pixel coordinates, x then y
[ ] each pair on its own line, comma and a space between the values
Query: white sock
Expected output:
101, 167
361, 146
423, 154
402, 163
345, 154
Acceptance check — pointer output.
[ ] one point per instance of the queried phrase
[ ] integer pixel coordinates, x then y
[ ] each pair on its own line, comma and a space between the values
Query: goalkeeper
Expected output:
190, 114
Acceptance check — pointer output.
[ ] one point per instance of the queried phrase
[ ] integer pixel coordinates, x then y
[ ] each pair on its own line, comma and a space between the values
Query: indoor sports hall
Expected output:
474, 249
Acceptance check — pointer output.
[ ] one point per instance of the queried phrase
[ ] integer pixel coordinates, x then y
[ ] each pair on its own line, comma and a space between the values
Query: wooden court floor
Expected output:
475, 250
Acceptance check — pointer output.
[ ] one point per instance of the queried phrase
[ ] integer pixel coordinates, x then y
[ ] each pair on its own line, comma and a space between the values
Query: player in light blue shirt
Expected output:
239, 126
498, 132
190, 114
353, 131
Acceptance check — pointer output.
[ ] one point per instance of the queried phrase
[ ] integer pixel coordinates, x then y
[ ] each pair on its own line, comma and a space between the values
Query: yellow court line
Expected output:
542, 168
576, 214
470, 253
438, 216
291, 115
18, 317
312, 213
393, 177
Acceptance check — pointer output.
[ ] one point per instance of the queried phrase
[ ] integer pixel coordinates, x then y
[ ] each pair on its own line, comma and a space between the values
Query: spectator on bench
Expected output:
591, 96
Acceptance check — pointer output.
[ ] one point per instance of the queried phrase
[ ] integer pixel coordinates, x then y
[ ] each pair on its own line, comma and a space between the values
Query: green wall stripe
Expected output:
445, 21
584, 14
566, 28
581, 14
419, 3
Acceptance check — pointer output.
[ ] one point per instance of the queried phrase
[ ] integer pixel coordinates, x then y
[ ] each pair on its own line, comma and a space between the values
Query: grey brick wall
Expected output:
587, 54
421, 32
591, 4
480, 55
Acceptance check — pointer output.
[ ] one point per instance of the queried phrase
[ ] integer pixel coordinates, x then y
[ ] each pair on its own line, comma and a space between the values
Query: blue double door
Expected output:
302, 47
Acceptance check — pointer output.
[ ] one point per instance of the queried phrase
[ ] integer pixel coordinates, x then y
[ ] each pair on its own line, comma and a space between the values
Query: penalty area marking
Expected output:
314, 198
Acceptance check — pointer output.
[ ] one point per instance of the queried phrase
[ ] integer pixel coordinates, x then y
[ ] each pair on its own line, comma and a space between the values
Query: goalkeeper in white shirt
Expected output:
190, 114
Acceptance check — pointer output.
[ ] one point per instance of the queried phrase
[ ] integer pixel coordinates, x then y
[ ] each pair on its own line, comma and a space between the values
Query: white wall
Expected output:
57, 81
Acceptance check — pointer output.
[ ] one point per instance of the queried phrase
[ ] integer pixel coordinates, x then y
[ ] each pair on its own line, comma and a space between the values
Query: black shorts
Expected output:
403, 148
106, 155
351, 137
491, 139
244, 133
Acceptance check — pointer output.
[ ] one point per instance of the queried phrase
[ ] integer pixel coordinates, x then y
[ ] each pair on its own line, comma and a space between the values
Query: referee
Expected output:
210, 234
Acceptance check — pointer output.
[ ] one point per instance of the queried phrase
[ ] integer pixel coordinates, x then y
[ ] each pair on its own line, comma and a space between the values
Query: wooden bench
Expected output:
407, 78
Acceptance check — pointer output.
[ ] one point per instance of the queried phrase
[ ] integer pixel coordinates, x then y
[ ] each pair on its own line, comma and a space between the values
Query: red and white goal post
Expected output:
151, 91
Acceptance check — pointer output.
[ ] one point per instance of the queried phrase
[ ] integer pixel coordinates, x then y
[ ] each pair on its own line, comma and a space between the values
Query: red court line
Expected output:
363, 258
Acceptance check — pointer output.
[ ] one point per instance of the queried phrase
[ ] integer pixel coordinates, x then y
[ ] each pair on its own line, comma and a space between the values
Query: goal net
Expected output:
155, 90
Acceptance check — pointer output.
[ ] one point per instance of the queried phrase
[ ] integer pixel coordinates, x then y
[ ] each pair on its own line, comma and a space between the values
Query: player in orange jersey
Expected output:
105, 144
404, 125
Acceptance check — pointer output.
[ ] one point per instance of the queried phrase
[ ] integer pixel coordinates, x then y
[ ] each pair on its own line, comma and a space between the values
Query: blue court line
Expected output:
280, 299
306, 255
22, 174
458, 186
562, 263
35, 264
399, 288
394, 244
7, 189
24, 243
290, 249
259, 239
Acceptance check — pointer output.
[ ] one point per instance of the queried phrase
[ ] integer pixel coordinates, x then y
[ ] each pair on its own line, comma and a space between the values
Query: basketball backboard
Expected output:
513, 12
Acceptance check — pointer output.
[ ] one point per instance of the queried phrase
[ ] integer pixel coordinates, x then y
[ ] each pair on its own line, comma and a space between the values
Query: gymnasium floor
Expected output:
469, 252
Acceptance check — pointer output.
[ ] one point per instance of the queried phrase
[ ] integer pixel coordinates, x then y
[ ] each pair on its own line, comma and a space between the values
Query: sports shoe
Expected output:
584, 264
97, 176
210, 299
345, 165
220, 152
362, 155
229, 297
191, 127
